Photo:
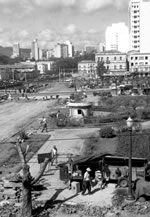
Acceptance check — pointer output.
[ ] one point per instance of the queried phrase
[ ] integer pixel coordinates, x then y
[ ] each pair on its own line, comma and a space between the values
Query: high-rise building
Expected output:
35, 50
64, 50
49, 53
101, 47
61, 50
40, 54
90, 48
116, 37
70, 48
16, 50
139, 25
57, 50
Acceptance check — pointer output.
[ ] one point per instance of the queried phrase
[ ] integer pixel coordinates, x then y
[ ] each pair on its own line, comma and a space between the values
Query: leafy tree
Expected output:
101, 70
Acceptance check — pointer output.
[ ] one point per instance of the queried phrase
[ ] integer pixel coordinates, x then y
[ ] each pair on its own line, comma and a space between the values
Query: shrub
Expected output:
76, 122
145, 114
22, 135
107, 132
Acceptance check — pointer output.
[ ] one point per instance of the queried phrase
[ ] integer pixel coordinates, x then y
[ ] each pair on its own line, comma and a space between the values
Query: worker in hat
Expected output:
87, 181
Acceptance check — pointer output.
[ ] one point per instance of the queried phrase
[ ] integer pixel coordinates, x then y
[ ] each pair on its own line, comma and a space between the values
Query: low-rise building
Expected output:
87, 67
18, 71
79, 110
44, 66
114, 61
139, 63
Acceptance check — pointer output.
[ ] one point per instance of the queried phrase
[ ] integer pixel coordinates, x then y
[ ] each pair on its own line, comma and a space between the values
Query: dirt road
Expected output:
14, 115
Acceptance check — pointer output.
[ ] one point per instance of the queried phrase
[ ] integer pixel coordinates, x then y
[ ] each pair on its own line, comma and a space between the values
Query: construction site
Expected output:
51, 195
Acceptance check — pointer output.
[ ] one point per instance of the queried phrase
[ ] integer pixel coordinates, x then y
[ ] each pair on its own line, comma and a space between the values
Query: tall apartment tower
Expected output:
16, 50
139, 25
70, 48
117, 37
57, 50
35, 50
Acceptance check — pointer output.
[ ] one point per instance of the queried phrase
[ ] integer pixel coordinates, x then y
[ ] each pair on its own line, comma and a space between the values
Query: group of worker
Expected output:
86, 180
102, 177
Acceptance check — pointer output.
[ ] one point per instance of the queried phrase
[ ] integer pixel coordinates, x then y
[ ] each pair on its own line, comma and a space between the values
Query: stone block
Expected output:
75, 186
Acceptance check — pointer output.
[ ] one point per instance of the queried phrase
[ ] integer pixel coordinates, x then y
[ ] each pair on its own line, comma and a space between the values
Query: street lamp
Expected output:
129, 125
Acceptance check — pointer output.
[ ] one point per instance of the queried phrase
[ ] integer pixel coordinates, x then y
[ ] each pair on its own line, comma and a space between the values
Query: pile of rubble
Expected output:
10, 188
137, 207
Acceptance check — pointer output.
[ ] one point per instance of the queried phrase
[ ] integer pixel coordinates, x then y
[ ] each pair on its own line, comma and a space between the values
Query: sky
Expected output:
51, 21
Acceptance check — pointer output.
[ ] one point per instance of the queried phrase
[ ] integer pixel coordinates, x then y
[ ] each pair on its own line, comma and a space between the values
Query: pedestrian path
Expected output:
55, 188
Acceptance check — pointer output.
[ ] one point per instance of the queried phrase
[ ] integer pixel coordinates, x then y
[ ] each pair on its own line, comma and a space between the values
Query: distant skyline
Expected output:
52, 21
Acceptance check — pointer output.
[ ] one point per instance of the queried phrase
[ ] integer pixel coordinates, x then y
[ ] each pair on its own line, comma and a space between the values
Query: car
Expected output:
102, 93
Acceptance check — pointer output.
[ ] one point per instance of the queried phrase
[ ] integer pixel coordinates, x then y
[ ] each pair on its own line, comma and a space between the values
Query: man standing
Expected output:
44, 124
87, 181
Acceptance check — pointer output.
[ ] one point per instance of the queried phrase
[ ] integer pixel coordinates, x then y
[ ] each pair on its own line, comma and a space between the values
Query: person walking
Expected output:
44, 124
87, 181
118, 176
54, 155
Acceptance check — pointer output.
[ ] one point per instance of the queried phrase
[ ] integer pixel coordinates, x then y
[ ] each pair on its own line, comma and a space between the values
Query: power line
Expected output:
76, 138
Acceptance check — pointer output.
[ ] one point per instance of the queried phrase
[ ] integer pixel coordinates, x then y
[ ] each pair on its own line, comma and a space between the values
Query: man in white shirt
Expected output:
87, 181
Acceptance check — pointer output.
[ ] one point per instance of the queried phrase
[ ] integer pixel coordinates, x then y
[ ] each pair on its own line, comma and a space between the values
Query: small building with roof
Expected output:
79, 110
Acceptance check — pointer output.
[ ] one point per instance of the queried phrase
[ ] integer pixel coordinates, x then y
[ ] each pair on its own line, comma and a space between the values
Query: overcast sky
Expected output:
50, 21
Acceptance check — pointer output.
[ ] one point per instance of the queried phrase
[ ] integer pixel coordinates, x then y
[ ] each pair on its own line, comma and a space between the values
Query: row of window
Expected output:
137, 31
86, 67
114, 67
135, 6
108, 59
140, 58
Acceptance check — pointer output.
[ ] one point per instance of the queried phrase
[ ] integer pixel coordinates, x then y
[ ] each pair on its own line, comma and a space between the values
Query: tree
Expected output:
101, 70
140, 144
27, 180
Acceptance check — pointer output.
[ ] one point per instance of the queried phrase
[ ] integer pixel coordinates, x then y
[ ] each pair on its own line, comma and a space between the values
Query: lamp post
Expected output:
129, 125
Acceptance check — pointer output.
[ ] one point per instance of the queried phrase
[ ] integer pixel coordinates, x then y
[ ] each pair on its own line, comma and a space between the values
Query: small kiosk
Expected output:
79, 110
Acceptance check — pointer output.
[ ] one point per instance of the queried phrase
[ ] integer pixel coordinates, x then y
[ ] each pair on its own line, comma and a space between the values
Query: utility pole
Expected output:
59, 73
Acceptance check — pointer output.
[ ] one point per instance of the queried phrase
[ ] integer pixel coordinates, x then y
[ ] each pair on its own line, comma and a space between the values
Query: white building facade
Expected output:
16, 50
139, 63
114, 62
44, 66
139, 25
35, 50
117, 37
87, 67
70, 48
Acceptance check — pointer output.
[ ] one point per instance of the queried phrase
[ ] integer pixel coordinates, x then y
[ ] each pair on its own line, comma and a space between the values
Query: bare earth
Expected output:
15, 115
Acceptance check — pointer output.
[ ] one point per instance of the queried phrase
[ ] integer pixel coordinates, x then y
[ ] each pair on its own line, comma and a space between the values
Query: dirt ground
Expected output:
15, 115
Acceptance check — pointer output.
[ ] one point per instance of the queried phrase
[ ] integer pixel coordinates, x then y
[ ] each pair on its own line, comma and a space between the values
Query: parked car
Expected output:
102, 93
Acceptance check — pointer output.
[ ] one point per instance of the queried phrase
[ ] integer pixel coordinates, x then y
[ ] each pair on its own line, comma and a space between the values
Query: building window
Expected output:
107, 59
146, 57
79, 111
132, 64
107, 67
101, 58
115, 67
120, 66
98, 59
114, 58
141, 58
120, 58
136, 58
131, 58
